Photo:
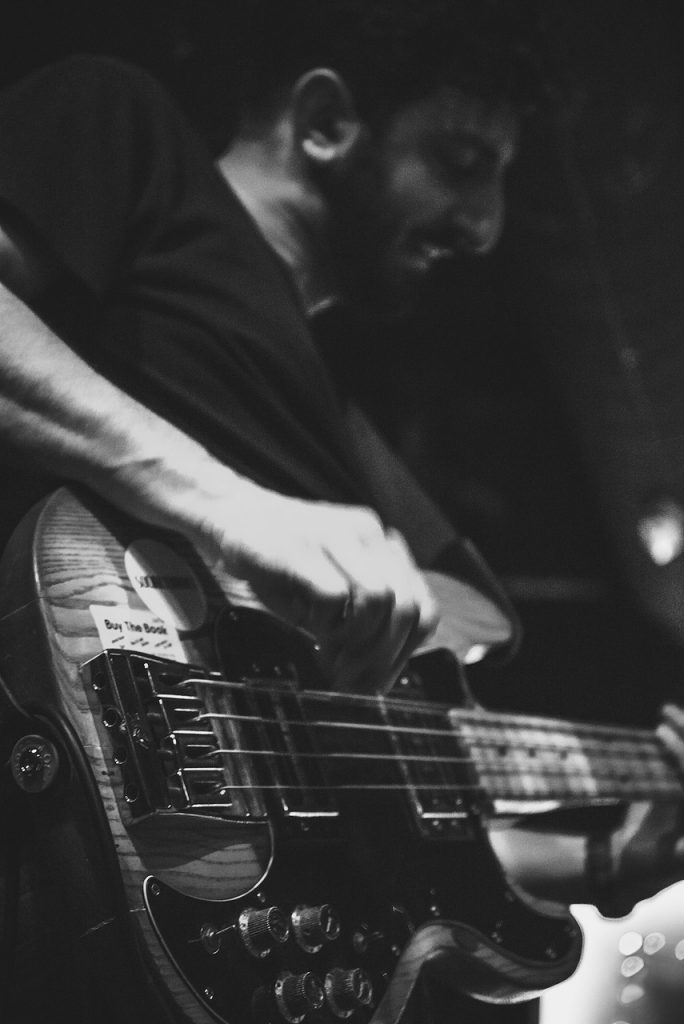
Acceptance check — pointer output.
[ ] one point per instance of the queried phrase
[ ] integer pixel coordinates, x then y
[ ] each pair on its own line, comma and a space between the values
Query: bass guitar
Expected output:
218, 836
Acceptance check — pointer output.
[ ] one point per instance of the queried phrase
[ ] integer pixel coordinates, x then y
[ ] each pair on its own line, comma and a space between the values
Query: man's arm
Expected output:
613, 870
330, 569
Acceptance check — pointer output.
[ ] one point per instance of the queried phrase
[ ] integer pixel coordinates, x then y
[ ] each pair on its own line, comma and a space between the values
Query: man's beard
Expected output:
365, 247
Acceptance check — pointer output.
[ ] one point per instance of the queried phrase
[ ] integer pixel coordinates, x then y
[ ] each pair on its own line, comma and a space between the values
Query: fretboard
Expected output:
529, 759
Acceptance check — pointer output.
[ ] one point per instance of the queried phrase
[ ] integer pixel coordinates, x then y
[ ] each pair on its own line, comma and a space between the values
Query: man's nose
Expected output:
480, 219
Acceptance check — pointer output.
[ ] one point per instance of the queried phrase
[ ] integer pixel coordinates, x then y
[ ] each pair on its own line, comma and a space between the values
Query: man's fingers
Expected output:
417, 592
334, 572
674, 715
671, 731
392, 612
316, 596
413, 618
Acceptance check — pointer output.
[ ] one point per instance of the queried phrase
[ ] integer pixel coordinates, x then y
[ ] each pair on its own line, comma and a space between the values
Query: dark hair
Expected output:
389, 51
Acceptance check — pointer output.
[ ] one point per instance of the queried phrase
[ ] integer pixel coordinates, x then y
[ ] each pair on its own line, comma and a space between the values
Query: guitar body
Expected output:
228, 873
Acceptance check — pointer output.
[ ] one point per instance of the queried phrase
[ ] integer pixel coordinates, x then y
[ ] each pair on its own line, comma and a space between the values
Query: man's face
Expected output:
426, 188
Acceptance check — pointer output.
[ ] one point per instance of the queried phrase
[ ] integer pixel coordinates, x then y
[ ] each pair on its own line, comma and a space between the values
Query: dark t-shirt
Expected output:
170, 290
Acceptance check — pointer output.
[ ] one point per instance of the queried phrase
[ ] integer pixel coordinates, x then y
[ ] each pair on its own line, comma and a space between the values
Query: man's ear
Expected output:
326, 122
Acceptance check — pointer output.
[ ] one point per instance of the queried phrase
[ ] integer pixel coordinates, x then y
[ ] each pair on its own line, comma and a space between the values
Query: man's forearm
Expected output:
612, 867
70, 421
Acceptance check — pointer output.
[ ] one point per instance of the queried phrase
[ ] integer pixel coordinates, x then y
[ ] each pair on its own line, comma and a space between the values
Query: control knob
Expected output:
347, 991
298, 994
314, 926
263, 930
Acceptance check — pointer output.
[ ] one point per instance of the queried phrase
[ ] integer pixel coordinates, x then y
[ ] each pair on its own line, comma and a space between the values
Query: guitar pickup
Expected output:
436, 777
280, 746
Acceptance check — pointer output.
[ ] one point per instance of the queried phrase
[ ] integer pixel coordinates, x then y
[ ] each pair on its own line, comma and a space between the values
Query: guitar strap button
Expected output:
34, 763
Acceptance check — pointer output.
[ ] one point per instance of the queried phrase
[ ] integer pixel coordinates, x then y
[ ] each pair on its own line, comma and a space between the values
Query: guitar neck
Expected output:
522, 759
446, 760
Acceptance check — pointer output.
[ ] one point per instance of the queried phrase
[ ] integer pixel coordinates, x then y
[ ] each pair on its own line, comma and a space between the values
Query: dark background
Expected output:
537, 394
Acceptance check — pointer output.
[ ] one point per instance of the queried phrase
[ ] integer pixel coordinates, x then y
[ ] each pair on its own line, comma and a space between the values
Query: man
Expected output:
154, 337
268, 412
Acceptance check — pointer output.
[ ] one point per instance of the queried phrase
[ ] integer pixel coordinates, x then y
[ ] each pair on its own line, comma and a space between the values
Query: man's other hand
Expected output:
649, 847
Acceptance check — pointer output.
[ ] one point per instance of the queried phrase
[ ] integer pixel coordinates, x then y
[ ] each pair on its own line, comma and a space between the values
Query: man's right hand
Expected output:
332, 570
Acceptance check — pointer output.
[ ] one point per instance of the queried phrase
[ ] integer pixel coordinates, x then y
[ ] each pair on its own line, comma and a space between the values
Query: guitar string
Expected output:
644, 748
530, 753
483, 720
597, 777
633, 787
403, 704
360, 787
559, 772
450, 788
446, 787
324, 757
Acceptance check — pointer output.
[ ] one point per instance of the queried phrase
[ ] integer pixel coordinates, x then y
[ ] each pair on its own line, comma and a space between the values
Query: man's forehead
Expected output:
450, 111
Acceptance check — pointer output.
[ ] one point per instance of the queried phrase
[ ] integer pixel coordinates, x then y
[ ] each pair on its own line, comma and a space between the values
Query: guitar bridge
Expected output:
182, 739
163, 742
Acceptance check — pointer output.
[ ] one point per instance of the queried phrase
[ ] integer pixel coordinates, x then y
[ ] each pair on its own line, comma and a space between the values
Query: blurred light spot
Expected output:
631, 994
653, 942
661, 530
630, 943
476, 653
631, 966
679, 950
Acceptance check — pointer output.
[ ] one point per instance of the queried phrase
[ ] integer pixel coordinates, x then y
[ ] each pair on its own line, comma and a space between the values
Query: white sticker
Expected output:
133, 629
166, 584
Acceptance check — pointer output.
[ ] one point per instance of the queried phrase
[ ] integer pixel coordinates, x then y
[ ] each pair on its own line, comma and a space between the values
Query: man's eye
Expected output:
465, 158
460, 158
